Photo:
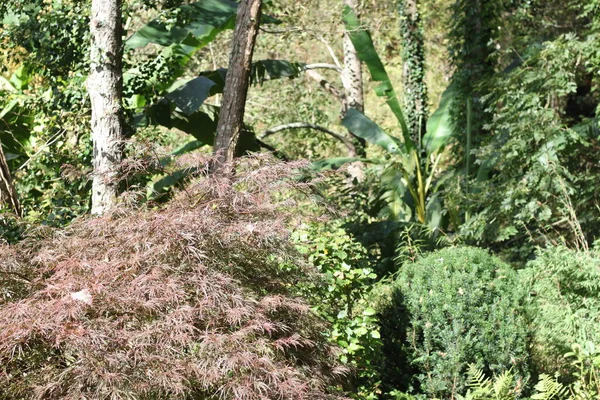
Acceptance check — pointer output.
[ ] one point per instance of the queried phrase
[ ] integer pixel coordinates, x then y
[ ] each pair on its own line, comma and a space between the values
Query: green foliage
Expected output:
565, 306
361, 39
411, 181
51, 37
450, 308
343, 298
413, 57
503, 387
536, 170
585, 360
482, 388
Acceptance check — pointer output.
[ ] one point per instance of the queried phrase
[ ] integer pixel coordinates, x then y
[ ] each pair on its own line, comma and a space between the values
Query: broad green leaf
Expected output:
361, 39
8, 108
363, 127
397, 196
205, 20
189, 95
188, 147
166, 183
265, 70
334, 163
21, 77
369, 311
439, 125
192, 95
434, 212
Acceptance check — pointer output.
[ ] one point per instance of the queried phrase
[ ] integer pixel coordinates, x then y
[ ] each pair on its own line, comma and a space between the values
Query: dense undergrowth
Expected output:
461, 269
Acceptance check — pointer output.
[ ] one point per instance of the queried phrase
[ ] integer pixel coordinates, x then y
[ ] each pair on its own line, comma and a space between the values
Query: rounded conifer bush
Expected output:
449, 309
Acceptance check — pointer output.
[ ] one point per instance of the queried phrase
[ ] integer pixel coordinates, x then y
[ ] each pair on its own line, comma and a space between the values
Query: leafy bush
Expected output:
453, 307
535, 167
189, 301
565, 306
342, 297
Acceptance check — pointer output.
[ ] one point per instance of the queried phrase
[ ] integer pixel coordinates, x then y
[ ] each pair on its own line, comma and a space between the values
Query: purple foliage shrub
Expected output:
185, 301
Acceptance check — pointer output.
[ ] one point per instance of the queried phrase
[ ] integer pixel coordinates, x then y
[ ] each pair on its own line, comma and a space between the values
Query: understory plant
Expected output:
450, 308
564, 306
342, 297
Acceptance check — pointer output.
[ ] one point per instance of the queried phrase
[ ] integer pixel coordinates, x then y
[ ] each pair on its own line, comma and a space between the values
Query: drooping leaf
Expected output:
439, 125
190, 96
21, 77
434, 212
188, 147
163, 185
199, 124
265, 70
363, 127
334, 163
361, 39
204, 20
396, 196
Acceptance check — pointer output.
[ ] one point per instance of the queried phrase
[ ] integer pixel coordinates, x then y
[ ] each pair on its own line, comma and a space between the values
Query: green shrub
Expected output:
451, 308
565, 304
343, 298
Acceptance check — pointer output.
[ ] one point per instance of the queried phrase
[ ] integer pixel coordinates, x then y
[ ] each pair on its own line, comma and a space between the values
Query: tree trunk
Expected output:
8, 194
353, 82
105, 87
231, 118
413, 56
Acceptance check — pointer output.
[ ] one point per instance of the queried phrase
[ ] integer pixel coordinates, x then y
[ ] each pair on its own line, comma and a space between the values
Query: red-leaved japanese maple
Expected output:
186, 301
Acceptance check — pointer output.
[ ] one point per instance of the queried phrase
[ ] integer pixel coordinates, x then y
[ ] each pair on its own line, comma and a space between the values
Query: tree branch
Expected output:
325, 84
322, 66
306, 125
330, 49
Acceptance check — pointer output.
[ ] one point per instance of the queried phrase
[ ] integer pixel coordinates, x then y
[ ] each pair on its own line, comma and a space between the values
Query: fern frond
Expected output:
503, 385
549, 388
477, 380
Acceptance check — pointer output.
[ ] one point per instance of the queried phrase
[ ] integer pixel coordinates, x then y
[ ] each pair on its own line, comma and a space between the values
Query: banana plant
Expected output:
411, 179
156, 93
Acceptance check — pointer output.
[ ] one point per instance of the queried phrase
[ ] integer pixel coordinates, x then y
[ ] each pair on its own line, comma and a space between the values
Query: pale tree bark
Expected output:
353, 82
8, 194
231, 118
105, 87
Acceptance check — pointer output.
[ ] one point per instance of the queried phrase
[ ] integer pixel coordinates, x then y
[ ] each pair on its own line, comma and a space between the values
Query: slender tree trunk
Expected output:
105, 87
413, 56
8, 194
353, 82
231, 118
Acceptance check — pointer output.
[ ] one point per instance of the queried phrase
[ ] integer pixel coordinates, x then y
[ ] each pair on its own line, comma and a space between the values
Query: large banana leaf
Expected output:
335, 163
359, 124
361, 39
204, 20
189, 95
439, 125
